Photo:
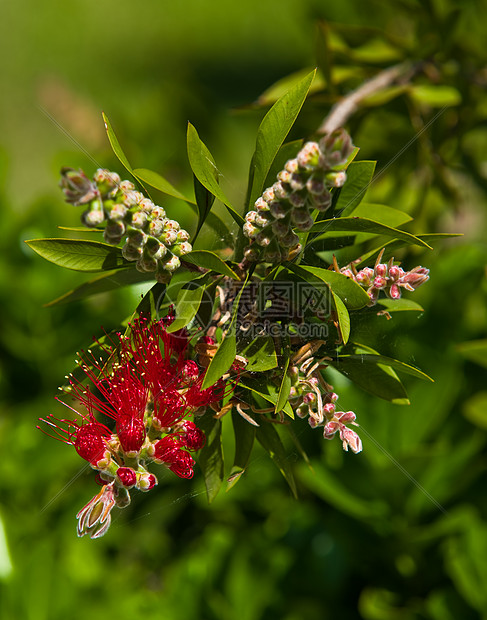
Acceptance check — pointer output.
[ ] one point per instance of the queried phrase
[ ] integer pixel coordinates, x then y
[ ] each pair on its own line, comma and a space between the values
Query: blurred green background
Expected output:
363, 541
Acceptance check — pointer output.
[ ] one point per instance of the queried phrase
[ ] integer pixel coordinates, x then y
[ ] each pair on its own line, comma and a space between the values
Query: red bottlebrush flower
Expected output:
131, 433
192, 437
168, 451
169, 408
88, 437
89, 443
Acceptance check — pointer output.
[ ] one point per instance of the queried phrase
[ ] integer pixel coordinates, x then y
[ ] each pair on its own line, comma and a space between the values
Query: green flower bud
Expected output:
106, 181
129, 252
118, 211
172, 264
181, 248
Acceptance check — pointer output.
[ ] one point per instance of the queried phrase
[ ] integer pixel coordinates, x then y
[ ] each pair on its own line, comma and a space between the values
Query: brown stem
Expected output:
347, 106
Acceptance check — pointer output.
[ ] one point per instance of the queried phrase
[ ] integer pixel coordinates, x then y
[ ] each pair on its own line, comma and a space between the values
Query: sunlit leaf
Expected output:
351, 293
272, 132
80, 255
260, 354
159, 182
114, 143
187, 305
435, 96
210, 260
205, 170
362, 224
359, 176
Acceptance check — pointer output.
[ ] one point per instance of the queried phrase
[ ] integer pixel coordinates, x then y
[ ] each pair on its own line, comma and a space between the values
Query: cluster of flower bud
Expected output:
302, 187
153, 240
313, 398
386, 277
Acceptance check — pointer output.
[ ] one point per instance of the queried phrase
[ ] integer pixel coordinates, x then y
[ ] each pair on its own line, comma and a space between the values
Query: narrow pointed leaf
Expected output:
267, 391
115, 144
365, 358
205, 170
260, 354
272, 132
343, 317
226, 352
362, 224
210, 457
382, 214
187, 304
159, 182
108, 281
284, 389
359, 176
80, 255
244, 442
269, 439
377, 379
210, 260
351, 293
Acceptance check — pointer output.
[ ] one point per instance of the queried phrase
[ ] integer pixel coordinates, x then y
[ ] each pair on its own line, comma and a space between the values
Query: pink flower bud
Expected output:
350, 438
95, 518
146, 481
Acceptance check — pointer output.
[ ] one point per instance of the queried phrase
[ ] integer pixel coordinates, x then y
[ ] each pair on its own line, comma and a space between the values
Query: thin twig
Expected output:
347, 106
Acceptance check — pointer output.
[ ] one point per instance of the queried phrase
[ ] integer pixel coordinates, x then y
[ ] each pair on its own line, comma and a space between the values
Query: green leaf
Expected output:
284, 388
267, 391
187, 304
149, 305
362, 224
108, 281
226, 352
359, 176
376, 379
269, 439
343, 318
159, 182
282, 86
435, 96
80, 255
244, 441
260, 354
382, 214
475, 351
475, 409
114, 143
365, 358
204, 202
272, 132
326, 485
209, 260
205, 170
351, 293
398, 305
210, 457
391, 246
